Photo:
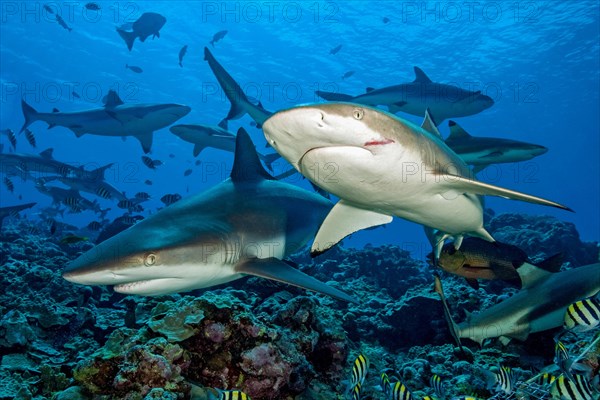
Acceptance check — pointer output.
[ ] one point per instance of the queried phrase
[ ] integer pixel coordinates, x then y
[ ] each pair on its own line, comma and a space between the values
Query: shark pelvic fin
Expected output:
456, 131
275, 269
461, 184
420, 76
246, 164
343, 220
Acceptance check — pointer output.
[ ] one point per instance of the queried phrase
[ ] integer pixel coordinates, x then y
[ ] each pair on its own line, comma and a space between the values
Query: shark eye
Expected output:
358, 113
150, 260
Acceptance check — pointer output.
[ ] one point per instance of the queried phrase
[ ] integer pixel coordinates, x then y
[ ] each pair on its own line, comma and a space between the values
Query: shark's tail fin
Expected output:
98, 173
451, 324
128, 37
29, 113
331, 96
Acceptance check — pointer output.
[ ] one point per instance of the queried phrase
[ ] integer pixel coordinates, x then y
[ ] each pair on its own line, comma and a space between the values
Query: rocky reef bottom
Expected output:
64, 341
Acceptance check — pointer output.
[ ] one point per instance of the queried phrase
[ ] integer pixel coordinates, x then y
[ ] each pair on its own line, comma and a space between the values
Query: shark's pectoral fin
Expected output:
275, 269
343, 220
461, 184
146, 141
478, 168
198, 149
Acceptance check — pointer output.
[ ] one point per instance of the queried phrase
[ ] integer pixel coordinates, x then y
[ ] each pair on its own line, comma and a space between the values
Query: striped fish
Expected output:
9, 184
30, 137
562, 358
438, 387
501, 381
148, 162
545, 379
102, 192
583, 315
12, 138
465, 398
386, 385
359, 370
401, 392
234, 395
577, 388
356, 391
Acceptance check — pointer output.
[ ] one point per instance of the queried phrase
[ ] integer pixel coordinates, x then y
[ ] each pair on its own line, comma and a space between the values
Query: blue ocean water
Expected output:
539, 61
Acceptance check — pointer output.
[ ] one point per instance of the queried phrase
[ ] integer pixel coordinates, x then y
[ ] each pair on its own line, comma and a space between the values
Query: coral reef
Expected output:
274, 341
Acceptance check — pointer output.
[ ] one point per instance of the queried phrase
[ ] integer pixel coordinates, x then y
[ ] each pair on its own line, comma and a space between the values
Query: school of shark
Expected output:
273, 229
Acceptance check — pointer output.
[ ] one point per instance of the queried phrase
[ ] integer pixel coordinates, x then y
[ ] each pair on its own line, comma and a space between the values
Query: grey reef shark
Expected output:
443, 100
13, 210
246, 225
381, 166
540, 305
114, 119
480, 152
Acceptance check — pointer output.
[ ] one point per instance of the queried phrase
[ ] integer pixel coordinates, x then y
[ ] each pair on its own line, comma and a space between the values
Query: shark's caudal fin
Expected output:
98, 173
343, 220
246, 164
128, 37
240, 104
29, 113
275, 269
331, 96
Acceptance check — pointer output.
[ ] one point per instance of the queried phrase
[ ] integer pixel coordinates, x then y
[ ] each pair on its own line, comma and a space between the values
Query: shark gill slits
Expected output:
358, 113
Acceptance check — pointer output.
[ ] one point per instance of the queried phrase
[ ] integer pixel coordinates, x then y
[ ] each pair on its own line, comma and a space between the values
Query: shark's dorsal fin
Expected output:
456, 131
47, 153
112, 99
429, 124
55, 110
420, 76
246, 164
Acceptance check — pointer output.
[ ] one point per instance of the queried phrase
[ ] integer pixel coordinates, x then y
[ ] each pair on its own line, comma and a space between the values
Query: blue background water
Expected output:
539, 61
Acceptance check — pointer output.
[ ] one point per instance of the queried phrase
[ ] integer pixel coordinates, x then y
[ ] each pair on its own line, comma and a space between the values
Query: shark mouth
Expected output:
150, 287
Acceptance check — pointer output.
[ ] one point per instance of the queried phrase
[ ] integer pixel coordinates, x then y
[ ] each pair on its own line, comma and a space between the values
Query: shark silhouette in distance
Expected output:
240, 104
246, 225
481, 152
13, 210
540, 304
203, 136
114, 119
443, 100
382, 166
44, 163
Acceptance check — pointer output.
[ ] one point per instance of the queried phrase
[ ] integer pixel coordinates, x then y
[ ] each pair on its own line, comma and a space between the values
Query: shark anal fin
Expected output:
343, 220
462, 184
146, 141
275, 269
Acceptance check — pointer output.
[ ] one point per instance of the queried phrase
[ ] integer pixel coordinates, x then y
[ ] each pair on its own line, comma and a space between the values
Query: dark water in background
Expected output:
538, 60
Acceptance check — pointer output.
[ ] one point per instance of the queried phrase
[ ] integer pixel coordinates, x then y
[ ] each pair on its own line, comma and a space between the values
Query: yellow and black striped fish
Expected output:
583, 315
359, 370
502, 381
356, 391
438, 387
386, 385
577, 388
234, 395
102, 192
545, 379
465, 398
561, 357
401, 392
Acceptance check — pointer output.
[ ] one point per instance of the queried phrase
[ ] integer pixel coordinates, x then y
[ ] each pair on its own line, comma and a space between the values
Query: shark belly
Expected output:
362, 179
